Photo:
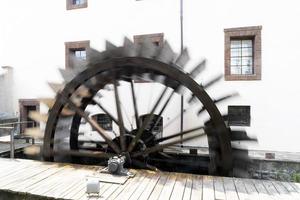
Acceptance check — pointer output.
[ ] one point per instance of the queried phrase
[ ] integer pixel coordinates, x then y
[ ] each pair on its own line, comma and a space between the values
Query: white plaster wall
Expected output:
33, 35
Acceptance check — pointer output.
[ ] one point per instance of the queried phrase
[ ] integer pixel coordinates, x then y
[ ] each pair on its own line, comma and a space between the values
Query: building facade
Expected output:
254, 44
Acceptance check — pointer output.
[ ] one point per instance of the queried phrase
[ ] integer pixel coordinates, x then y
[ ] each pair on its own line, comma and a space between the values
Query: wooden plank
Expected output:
28, 174
208, 188
197, 187
219, 188
131, 182
64, 184
73, 189
168, 187
110, 190
15, 175
77, 190
69, 181
188, 188
7, 167
128, 191
179, 187
159, 186
251, 190
284, 193
49, 183
73, 185
262, 192
37, 178
12, 170
56, 183
150, 187
271, 189
296, 186
241, 189
143, 185
230, 189
291, 190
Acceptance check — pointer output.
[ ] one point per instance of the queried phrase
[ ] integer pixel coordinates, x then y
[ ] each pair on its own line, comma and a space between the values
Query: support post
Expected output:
181, 48
12, 144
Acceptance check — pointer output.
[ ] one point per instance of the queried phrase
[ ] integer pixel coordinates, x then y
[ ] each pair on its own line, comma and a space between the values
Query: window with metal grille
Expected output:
104, 121
239, 115
241, 56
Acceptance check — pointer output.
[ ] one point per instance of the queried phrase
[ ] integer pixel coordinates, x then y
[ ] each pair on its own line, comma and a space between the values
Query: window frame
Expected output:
73, 46
71, 6
241, 33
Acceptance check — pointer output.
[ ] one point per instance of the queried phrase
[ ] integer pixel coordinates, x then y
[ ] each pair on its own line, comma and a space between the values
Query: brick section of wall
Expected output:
155, 38
253, 32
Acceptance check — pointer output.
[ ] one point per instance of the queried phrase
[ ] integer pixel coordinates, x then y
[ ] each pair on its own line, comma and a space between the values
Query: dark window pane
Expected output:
104, 121
239, 115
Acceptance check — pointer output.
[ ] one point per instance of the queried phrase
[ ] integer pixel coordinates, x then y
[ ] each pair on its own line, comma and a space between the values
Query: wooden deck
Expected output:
64, 181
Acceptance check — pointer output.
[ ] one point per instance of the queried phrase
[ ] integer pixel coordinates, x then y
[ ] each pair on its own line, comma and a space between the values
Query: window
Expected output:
156, 38
104, 121
243, 53
77, 49
239, 115
75, 4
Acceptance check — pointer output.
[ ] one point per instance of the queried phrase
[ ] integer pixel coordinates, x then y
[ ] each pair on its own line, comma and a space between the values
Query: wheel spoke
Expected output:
160, 147
92, 122
136, 114
109, 114
176, 117
146, 122
120, 117
181, 134
162, 110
